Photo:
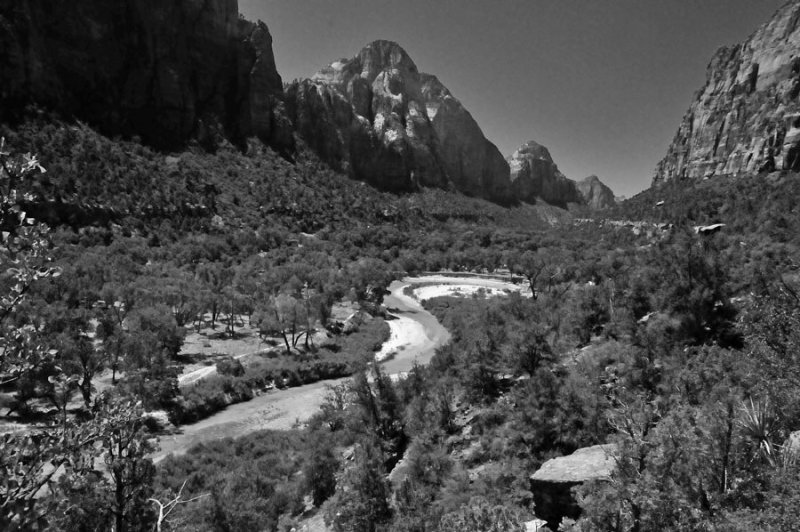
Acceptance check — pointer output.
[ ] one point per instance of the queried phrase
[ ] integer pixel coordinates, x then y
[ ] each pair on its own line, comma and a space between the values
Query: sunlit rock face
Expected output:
535, 175
378, 118
747, 116
168, 72
596, 194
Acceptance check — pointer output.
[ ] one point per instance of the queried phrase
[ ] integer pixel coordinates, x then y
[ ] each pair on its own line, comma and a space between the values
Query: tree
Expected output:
114, 495
83, 359
369, 279
214, 279
319, 471
234, 303
361, 500
283, 315
529, 348
532, 266
542, 268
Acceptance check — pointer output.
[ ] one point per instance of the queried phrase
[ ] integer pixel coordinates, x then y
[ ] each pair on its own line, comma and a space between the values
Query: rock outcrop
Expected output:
552, 484
747, 116
596, 194
377, 118
165, 71
535, 175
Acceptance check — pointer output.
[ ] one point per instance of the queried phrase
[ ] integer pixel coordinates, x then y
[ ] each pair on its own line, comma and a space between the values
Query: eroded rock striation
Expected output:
596, 194
378, 118
535, 175
747, 116
165, 71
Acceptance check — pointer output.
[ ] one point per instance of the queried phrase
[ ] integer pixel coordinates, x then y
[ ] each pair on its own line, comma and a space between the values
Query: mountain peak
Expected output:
376, 117
596, 193
535, 175
533, 149
374, 58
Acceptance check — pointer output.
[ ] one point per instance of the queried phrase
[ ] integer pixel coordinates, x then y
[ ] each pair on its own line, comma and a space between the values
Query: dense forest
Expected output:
678, 345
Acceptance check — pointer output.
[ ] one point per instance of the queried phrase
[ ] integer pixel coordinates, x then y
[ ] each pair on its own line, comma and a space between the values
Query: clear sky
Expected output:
602, 83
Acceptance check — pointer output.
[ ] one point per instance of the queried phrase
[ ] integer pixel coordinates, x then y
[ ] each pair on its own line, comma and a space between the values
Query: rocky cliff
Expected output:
535, 175
596, 194
747, 116
378, 118
165, 71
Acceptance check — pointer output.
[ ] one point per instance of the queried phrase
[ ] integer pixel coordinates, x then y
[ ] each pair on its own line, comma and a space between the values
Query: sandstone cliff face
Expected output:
378, 118
596, 194
166, 71
535, 175
747, 116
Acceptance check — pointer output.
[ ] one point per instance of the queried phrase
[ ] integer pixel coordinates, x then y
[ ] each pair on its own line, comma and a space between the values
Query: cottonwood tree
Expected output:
282, 315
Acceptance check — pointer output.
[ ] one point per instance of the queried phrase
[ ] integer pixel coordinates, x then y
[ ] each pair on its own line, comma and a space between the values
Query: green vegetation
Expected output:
681, 347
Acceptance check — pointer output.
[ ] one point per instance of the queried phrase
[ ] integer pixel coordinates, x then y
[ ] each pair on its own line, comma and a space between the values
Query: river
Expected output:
415, 335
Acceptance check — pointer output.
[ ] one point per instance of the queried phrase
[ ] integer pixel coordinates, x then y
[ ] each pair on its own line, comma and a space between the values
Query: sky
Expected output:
602, 83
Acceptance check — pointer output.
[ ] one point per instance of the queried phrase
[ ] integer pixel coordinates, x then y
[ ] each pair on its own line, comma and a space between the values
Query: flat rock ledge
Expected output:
552, 484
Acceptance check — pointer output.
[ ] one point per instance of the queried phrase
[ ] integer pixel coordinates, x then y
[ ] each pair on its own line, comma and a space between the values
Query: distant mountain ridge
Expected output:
175, 73
747, 116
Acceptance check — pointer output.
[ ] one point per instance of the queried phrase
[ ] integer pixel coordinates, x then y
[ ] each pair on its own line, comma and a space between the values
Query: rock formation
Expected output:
552, 484
165, 71
535, 175
378, 118
747, 116
596, 194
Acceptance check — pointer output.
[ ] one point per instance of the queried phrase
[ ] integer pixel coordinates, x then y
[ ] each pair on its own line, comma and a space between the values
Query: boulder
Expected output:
377, 118
534, 175
167, 72
746, 118
552, 484
596, 194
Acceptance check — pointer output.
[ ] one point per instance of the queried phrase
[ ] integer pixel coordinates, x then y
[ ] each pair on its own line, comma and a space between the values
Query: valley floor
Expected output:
415, 336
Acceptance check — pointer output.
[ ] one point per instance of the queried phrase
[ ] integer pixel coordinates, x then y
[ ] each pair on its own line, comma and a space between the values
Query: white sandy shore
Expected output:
405, 333
424, 293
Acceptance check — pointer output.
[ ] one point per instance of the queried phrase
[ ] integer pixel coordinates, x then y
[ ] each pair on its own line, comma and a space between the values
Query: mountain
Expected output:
167, 72
596, 194
379, 119
535, 175
747, 116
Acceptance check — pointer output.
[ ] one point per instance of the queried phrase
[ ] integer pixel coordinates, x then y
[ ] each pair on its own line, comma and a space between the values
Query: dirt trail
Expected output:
415, 335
